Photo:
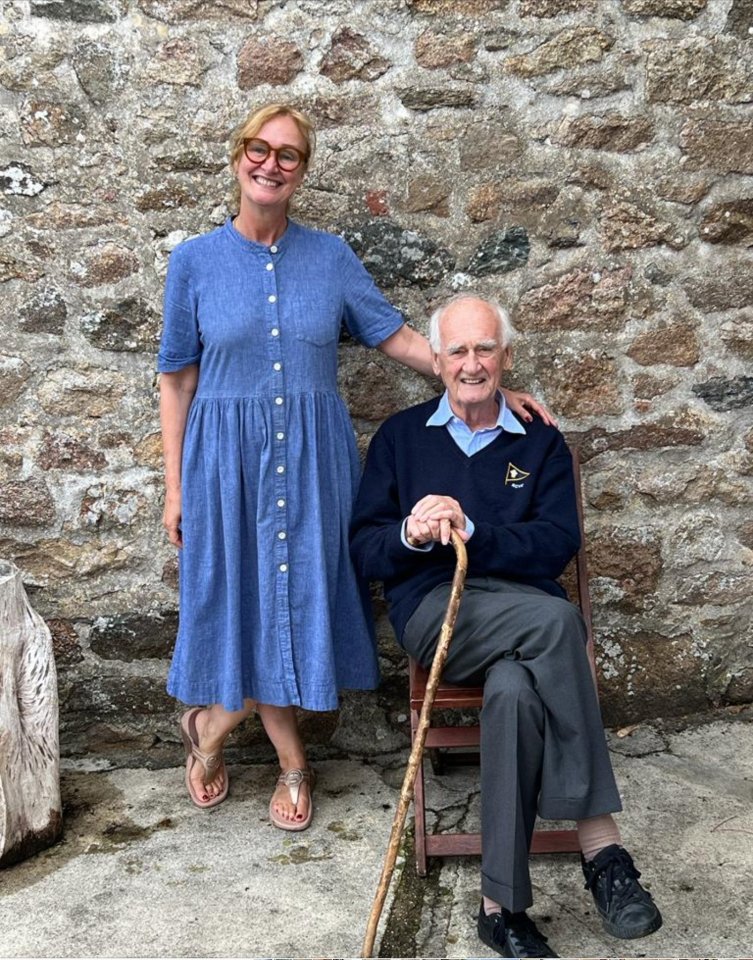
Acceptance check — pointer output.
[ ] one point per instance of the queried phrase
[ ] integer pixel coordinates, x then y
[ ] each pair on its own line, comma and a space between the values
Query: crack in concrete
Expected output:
434, 934
404, 920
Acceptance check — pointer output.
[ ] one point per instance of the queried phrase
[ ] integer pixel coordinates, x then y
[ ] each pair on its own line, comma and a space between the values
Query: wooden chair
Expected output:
440, 739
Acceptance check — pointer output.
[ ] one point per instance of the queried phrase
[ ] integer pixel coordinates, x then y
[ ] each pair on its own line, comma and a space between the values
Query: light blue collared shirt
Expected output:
469, 441
472, 441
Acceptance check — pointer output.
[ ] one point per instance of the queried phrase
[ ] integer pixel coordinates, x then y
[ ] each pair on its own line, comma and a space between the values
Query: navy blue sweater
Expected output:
518, 491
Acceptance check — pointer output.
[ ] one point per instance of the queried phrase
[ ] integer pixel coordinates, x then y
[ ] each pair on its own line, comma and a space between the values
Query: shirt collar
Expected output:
505, 418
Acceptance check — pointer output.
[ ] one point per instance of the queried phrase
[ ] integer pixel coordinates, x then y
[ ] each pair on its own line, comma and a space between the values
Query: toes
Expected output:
216, 786
285, 808
207, 791
202, 790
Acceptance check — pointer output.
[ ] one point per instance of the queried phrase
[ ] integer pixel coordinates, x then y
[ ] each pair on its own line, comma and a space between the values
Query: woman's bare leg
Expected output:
281, 725
213, 725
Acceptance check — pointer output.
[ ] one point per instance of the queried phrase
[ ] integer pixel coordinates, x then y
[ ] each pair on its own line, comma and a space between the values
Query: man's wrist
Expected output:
411, 542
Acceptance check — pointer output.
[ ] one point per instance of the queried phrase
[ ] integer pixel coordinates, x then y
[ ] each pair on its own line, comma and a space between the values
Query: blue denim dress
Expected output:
270, 606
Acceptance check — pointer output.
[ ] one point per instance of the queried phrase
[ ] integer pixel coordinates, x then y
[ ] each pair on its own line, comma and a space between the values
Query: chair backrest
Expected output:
583, 599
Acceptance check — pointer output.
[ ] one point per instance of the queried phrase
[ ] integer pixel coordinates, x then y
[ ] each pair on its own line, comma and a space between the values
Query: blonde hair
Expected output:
256, 120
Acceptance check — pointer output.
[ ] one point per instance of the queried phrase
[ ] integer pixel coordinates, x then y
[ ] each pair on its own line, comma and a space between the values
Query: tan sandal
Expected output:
292, 779
211, 762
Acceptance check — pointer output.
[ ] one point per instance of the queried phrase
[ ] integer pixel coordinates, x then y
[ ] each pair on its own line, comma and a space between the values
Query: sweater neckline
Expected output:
479, 453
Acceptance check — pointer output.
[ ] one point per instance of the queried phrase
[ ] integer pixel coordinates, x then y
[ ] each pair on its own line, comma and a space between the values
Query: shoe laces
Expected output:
528, 936
620, 880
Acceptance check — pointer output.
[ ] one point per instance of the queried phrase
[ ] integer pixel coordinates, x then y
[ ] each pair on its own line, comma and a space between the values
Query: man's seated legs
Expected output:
542, 748
501, 619
512, 748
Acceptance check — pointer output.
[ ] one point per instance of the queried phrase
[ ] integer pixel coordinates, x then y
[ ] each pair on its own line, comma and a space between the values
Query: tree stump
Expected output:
30, 808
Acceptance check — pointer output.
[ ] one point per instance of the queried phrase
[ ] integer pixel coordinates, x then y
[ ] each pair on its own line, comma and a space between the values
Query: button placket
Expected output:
280, 495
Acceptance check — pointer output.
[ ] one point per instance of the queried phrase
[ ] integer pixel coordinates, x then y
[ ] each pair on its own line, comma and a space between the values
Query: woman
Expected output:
261, 465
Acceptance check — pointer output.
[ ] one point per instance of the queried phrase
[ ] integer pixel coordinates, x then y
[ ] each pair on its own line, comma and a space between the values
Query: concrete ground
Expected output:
142, 873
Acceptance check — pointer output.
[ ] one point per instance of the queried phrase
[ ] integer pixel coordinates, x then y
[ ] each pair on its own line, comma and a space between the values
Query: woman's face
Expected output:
266, 184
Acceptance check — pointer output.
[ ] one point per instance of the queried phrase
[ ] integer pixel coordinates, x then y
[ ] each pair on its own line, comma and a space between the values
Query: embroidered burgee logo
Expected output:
515, 475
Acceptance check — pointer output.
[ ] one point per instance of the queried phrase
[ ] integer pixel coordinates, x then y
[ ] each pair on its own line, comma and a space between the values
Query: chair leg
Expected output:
437, 760
419, 811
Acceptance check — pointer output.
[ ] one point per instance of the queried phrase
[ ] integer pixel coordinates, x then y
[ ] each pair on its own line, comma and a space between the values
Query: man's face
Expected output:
472, 359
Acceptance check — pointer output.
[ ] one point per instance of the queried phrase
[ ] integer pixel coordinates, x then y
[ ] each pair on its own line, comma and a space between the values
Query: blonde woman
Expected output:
261, 465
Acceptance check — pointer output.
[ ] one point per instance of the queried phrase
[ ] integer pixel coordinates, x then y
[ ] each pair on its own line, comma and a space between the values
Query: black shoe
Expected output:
512, 934
627, 910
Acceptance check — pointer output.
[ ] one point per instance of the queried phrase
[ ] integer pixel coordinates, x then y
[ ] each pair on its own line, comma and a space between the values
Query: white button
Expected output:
272, 298
278, 366
281, 469
283, 568
278, 401
280, 503
281, 535
280, 435
270, 266
275, 332
273, 248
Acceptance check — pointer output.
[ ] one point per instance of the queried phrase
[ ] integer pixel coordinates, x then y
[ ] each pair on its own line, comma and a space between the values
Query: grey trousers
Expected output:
542, 740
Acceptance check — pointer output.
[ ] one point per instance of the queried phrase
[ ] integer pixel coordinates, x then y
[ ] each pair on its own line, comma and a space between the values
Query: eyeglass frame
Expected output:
302, 157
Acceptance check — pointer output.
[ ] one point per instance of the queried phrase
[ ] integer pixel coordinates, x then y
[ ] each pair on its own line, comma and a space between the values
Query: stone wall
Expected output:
587, 162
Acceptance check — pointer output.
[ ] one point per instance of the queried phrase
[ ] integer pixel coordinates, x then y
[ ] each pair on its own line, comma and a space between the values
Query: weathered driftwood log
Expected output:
30, 808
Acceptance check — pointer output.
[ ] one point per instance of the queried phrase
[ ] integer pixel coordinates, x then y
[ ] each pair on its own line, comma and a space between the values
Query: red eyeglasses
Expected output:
288, 158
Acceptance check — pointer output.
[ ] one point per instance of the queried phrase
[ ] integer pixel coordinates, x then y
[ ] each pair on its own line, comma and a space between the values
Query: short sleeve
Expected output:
369, 316
181, 344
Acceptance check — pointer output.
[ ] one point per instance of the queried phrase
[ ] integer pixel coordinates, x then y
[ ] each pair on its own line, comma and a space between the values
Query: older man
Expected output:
465, 462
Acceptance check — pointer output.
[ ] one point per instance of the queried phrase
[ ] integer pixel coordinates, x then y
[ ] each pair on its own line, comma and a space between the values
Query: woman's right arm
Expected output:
176, 393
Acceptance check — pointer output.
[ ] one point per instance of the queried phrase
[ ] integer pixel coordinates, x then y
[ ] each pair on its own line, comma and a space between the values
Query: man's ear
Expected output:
435, 363
507, 358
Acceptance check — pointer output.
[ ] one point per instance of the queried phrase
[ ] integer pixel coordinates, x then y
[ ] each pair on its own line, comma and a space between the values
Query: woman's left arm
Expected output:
408, 346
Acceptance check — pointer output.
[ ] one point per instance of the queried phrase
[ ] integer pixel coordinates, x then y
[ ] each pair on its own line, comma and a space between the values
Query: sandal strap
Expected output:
293, 779
210, 761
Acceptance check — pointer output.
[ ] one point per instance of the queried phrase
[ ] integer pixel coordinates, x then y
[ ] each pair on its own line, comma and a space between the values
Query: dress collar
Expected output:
266, 248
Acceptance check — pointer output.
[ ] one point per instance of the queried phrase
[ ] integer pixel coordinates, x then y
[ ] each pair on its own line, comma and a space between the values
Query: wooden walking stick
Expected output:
417, 751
